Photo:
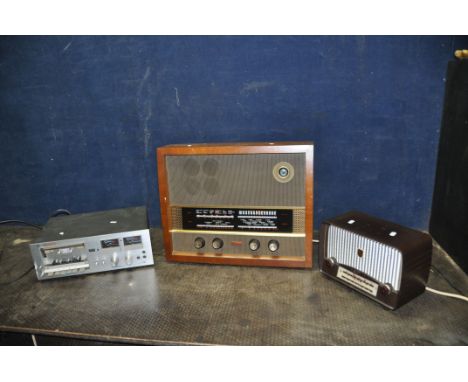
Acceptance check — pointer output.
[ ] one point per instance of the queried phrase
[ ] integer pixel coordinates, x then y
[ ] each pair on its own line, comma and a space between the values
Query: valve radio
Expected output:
384, 261
240, 204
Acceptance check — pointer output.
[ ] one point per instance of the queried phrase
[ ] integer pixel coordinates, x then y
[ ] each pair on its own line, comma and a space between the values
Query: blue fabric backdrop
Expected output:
81, 117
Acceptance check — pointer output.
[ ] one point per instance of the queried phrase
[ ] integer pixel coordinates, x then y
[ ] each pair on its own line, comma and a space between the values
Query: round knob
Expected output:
330, 262
283, 172
386, 289
115, 258
254, 244
199, 243
273, 245
128, 258
217, 243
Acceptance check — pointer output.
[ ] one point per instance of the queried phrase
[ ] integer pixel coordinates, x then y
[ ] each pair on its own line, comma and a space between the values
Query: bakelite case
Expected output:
393, 251
240, 177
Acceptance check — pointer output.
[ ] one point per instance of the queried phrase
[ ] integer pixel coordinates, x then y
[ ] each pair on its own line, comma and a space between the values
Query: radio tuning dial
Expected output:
217, 243
199, 243
254, 244
273, 245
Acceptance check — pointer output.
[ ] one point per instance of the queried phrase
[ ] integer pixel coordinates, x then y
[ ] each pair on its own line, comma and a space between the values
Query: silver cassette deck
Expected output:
93, 242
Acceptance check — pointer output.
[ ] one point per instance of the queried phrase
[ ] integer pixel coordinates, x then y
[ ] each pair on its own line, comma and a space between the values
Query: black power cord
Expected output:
17, 278
14, 221
60, 211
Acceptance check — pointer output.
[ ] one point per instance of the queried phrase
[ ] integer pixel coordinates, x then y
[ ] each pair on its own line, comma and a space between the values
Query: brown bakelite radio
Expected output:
237, 203
384, 261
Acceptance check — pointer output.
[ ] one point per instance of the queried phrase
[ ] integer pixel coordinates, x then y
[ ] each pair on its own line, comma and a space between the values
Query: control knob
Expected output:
217, 243
128, 258
115, 259
273, 245
254, 244
199, 243
386, 289
330, 262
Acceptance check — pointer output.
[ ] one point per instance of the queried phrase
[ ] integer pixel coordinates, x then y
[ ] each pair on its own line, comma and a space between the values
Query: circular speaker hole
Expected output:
211, 186
192, 186
210, 167
191, 167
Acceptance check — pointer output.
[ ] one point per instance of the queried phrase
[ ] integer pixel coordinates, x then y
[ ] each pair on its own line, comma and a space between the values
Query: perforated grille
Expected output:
299, 221
176, 213
377, 260
235, 180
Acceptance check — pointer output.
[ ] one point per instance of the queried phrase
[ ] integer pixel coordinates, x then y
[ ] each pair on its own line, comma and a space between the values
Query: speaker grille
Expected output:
241, 179
299, 221
176, 214
379, 261
191, 167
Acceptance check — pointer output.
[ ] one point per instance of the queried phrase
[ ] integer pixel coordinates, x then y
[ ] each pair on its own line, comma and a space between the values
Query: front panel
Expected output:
377, 260
92, 254
254, 245
360, 263
237, 207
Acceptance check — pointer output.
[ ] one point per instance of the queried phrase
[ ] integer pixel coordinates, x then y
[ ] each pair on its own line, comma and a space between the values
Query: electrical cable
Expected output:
459, 296
446, 279
17, 278
20, 222
60, 211
14, 221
